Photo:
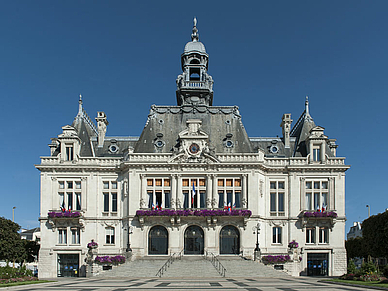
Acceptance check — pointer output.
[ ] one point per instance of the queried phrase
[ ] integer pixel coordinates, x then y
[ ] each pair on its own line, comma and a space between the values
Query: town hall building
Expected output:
193, 182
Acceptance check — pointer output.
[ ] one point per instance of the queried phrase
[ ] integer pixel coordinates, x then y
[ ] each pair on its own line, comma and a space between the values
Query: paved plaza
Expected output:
249, 284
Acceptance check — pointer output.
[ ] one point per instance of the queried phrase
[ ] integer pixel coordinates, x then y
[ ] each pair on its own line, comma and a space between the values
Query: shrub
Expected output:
351, 267
367, 268
385, 271
107, 260
279, 259
12, 275
8, 272
370, 277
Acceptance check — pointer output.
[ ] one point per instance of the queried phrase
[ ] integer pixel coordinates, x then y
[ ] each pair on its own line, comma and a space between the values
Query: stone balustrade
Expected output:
241, 158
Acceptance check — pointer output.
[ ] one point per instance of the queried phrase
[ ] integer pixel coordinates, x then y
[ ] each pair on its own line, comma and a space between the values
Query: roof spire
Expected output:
80, 105
307, 106
195, 34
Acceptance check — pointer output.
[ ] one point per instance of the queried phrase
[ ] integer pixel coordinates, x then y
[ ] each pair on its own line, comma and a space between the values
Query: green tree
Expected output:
356, 248
12, 248
32, 250
375, 234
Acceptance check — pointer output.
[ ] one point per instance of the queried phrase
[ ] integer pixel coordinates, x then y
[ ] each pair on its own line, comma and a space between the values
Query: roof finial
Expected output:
307, 106
195, 34
80, 104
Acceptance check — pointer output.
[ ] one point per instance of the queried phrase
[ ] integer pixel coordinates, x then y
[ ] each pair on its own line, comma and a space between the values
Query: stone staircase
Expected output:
239, 267
193, 267
145, 268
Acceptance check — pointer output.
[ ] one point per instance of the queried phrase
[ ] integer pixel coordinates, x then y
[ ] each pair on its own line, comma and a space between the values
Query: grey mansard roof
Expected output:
166, 122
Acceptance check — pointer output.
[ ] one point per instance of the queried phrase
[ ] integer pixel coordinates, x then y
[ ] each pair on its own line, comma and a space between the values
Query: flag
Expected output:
69, 208
63, 207
323, 207
153, 206
192, 196
157, 205
234, 205
318, 208
229, 206
225, 206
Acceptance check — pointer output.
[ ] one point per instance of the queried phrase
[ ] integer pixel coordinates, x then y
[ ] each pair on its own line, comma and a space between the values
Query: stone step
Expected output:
247, 268
193, 267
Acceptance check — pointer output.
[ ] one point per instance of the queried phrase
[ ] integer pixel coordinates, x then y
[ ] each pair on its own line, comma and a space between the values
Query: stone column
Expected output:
214, 192
209, 193
331, 197
244, 191
178, 199
143, 194
173, 190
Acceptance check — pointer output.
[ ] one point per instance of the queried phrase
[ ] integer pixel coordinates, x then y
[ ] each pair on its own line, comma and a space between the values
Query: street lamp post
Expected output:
368, 210
130, 228
256, 230
13, 214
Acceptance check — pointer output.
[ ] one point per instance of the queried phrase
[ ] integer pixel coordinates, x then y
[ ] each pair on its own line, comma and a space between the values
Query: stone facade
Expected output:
192, 159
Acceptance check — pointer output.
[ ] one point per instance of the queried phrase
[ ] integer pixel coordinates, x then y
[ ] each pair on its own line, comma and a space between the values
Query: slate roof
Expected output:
166, 122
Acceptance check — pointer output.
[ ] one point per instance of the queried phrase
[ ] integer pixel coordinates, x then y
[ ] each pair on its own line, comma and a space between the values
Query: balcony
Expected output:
196, 85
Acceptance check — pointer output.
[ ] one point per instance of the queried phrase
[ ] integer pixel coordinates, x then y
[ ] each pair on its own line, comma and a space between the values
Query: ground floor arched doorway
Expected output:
194, 241
229, 240
158, 241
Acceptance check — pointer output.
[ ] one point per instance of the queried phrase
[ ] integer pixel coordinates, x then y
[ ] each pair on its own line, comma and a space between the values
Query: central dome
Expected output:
195, 46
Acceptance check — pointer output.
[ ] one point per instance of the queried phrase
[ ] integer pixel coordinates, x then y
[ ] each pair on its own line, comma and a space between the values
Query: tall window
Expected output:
316, 153
323, 235
69, 195
158, 190
62, 236
110, 235
196, 189
277, 235
69, 154
277, 198
317, 195
75, 236
229, 192
110, 196
310, 235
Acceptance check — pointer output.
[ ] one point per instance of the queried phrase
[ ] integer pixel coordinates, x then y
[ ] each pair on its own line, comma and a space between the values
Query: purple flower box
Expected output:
115, 260
320, 214
64, 214
279, 259
92, 245
189, 212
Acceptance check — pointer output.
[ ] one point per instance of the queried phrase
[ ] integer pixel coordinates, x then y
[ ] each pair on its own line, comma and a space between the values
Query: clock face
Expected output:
194, 148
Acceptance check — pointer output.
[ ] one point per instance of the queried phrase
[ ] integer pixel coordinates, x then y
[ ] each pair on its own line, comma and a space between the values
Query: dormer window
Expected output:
316, 153
69, 153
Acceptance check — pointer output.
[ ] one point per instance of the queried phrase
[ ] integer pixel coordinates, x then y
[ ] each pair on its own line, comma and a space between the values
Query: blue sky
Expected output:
124, 56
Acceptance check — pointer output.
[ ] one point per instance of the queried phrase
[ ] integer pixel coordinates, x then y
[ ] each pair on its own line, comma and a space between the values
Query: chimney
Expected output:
286, 128
102, 123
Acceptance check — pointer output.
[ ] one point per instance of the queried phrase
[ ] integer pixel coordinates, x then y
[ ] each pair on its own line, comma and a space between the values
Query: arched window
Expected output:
229, 240
194, 240
194, 61
158, 241
194, 74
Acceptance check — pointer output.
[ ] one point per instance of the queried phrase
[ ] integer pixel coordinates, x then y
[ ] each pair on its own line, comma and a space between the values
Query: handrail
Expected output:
216, 263
166, 265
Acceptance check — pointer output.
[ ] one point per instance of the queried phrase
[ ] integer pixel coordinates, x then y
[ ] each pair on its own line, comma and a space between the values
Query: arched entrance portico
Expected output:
229, 240
194, 241
158, 241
